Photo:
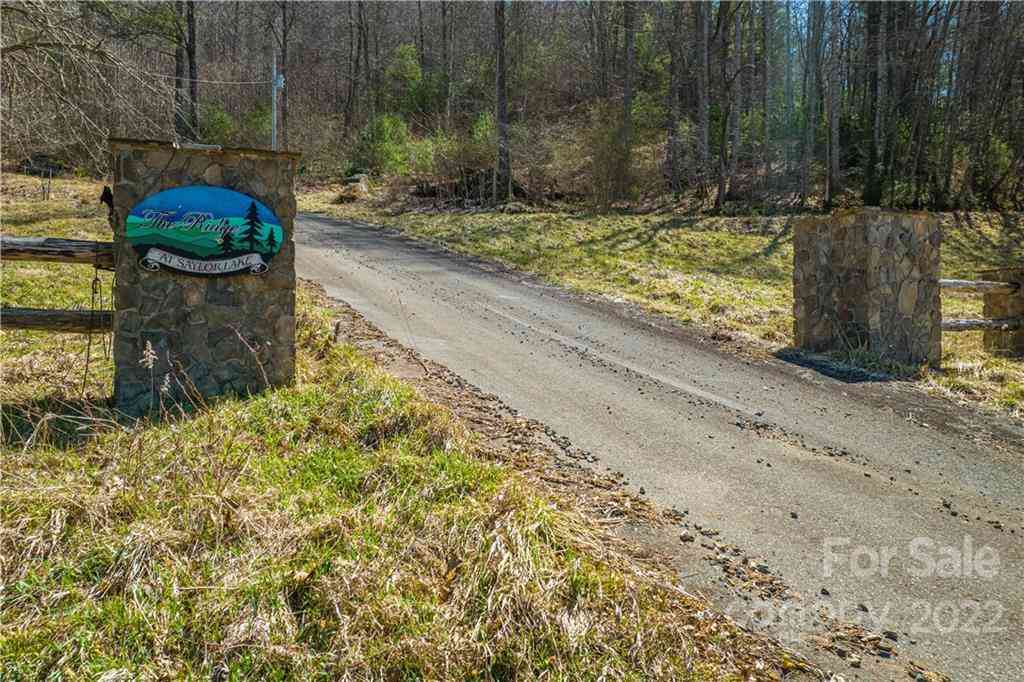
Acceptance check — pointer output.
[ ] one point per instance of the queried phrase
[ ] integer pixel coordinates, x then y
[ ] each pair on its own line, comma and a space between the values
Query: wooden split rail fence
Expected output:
1003, 324
54, 250
987, 288
101, 255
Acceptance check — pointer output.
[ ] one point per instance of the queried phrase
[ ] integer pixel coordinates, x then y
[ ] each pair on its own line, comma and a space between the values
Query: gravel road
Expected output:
868, 498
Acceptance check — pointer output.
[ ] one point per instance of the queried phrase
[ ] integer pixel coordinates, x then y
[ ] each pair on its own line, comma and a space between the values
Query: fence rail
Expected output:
979, 286
1004, 304
56, 250
74, 321
1005, 324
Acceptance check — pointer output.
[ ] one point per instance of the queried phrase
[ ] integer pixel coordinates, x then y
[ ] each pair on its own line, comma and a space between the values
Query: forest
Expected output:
746, 106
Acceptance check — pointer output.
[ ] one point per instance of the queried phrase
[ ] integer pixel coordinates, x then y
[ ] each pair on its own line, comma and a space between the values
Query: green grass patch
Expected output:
342, 527
723, 273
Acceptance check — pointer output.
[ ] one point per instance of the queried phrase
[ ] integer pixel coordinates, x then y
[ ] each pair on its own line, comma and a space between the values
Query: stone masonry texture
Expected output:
204, 336
1005, 306
869, 279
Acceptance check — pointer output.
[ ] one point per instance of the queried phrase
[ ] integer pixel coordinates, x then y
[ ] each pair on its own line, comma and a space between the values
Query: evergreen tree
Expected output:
271, 240
227, 242
253, 226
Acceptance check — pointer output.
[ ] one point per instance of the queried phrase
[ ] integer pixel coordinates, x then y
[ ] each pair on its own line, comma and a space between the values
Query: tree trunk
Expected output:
379, 22
674, 162
767, 7
364, 41
954, 98
193, 68
787, 125
354, 50
872, 182
834, 102
884, 91
624, 176
446, 62
816, 12
421, 52
629, 10
735, 92
727, 96
503, 171
599, 21
285, 28
181, 123
703, 79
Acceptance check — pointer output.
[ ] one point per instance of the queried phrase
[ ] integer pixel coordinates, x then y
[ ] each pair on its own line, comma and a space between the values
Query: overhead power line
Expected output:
173, 77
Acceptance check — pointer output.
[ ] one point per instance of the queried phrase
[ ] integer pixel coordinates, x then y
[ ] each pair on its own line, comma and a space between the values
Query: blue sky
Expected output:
221, 202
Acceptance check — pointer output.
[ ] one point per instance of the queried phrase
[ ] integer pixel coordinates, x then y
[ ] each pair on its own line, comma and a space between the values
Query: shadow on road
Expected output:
832, 368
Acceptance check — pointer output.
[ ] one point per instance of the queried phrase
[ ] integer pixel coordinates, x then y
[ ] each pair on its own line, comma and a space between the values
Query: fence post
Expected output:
1005, 305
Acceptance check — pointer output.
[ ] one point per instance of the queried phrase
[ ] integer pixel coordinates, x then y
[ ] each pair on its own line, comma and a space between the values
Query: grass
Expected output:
342, 528
729, 274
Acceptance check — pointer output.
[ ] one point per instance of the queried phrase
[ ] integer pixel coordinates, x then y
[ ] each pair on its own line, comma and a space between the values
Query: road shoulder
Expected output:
735, 580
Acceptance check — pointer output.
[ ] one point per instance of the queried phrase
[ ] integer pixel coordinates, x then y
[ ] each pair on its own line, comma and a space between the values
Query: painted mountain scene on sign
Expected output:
205, 223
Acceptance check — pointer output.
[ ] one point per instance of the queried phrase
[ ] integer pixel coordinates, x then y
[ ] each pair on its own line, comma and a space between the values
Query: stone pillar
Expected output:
904, 299
998, 306
828, 265
868, 278
183, 337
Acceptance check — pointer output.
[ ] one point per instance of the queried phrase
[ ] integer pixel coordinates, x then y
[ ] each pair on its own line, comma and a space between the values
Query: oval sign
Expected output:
203, 230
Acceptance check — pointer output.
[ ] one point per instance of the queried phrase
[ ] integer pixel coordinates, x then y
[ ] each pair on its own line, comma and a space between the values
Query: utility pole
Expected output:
276, 83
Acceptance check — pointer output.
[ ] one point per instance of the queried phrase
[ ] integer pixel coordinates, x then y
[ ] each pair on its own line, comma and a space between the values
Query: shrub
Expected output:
460, 155
404, 78
256, 125
648, 117
485, 132
611, 172
422, 156
533, 155
383, 147
215, 125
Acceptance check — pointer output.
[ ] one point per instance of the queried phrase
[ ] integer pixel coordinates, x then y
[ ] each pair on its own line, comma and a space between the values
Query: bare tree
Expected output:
812, 69
835, 85
872, 174
503, 170
920, 99
787, 124
674, 150
735, 91
66, 85
703, 78
767, 8
628, 27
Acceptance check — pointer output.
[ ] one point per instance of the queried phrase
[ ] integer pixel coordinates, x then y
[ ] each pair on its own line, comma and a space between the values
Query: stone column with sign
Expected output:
204, 295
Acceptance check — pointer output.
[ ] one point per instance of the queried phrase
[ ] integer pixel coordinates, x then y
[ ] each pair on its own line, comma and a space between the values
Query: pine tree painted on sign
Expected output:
271, 240
253, 226
227, 242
